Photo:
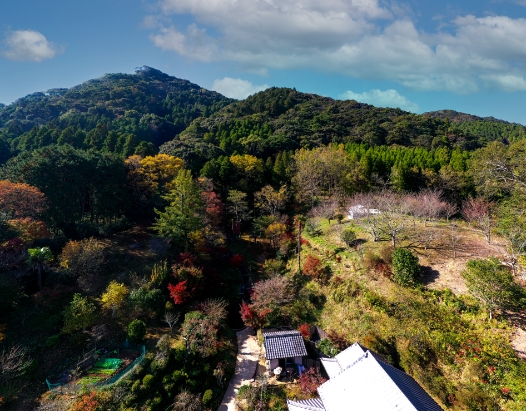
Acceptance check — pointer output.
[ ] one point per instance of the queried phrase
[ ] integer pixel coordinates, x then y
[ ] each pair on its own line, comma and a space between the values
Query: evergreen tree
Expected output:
185, 211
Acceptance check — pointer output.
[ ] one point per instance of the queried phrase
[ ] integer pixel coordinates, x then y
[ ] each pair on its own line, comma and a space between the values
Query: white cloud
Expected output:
194, 44
379, 98
507, 82
360, 38
236, 87
28, 45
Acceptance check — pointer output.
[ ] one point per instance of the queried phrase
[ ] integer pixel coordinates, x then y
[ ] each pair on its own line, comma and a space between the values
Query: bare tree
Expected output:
186, 401
215, 309
393, 217
272, 294
171, 318
516, 246
200, 331
14, 362
326, 209
454, 238
368, 217
449, 210
477, 212
428, 205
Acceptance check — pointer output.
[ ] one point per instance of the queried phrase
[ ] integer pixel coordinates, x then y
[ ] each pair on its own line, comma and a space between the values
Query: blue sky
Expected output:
425, 55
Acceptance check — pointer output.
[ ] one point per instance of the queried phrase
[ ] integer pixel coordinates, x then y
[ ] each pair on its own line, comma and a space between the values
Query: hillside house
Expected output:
361, 380
283, 349
359, 211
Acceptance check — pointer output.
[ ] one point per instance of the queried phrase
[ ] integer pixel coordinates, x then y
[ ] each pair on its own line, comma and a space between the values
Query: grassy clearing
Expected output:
441, 338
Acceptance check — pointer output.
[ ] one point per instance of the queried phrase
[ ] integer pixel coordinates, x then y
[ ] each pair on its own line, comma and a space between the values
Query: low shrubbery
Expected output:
406, 270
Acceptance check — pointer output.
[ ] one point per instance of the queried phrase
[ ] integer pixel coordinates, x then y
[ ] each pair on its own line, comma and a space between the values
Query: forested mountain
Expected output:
487, 128
137, 113
114, 113
280, 119
247, 216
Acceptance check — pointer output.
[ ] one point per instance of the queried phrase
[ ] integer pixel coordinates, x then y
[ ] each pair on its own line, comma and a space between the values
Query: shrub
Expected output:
178, 376
208, 396
406, 269
386, 254
88, 402
313, 228
136, 331
348, 236
310, 381
313, 267
236, 260
151, 301
304, 330
327, 348
147, 381
52, 342
370, 260
136, 386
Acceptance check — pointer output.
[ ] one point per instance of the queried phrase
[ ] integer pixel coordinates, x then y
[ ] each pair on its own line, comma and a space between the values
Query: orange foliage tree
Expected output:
20, 200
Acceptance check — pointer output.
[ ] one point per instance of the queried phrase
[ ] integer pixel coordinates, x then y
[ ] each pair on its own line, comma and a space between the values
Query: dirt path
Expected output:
248, 351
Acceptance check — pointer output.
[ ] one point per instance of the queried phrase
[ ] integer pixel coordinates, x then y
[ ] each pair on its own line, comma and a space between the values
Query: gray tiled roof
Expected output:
314, 404
414, 392
283, 344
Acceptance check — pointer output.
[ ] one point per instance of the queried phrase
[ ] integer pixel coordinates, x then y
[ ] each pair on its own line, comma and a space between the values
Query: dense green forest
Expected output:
117, 113
143, 219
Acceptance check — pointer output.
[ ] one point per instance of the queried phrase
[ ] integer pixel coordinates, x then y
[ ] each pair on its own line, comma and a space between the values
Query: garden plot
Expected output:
107, 367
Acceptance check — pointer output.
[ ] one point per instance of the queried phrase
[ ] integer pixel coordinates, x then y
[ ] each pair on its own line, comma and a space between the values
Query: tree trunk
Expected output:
39, 270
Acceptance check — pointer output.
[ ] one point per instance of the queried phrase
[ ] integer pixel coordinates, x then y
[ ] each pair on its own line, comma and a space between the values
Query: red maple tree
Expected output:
309, 381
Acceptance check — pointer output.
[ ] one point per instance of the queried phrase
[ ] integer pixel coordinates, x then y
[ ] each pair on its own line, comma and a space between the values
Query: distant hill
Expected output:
146, 106
141, 112
485, 128
457, 117
280, 119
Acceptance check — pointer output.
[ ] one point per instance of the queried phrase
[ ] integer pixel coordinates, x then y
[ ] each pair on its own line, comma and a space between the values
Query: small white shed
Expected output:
359, 211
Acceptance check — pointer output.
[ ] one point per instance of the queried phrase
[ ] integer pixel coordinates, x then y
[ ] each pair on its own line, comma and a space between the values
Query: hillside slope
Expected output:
148, 105
280, 119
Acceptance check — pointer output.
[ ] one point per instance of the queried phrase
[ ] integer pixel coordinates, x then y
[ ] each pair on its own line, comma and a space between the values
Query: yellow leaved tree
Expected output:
114, 296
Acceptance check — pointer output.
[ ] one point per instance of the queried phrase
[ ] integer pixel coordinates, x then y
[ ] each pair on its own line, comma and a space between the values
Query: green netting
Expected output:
108, 364
105, 366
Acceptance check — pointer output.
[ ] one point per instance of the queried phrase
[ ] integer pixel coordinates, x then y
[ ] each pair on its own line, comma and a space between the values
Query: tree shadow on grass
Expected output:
429, 275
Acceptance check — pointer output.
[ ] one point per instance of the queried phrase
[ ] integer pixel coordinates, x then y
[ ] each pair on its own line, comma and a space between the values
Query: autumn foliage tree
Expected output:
160, 170
114, 296
269, 302
200, 329
314, 268
309, 381
86, 261
190, 279
20, 200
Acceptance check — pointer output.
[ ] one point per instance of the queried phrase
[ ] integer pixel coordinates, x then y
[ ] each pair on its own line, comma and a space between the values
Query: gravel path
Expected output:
248, 351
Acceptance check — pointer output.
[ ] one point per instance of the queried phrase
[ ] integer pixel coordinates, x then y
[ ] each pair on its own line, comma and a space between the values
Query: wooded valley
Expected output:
144, 219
